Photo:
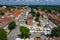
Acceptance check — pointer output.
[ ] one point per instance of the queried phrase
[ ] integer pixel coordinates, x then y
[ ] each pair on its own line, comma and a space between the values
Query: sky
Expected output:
29, 2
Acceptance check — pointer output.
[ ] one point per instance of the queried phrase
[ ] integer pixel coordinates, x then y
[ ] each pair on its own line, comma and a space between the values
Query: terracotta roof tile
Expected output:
42, 12
17, 12
52, 16
58, 19
7, 19
58, 38
30, 21
2, 22
7, 12
48, 38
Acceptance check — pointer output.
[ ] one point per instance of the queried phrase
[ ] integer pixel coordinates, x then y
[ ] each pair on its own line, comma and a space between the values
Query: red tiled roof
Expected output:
4, 20
38, 38
54, 17
48, 38
58, 38
7, 19
1, 21
17, 12
51, 15
41, 38
30, 21
8, 12
42, 12
58, 19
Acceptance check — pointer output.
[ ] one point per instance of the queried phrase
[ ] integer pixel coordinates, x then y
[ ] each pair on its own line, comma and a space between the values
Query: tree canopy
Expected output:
37, 15
37, 19
55, 32
32, 13
12, 25
2, 13
3, 34
24, 31
9, 7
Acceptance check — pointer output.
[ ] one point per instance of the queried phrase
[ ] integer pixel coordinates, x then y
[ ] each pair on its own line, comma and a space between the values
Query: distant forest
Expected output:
44, 7
47, 7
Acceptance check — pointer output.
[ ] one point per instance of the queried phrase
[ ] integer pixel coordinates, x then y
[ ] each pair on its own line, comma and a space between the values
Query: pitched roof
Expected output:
58, 19
40, 38
17, 12
54, 17
42, 12
7, 12
6, 18
2, 23
30, 21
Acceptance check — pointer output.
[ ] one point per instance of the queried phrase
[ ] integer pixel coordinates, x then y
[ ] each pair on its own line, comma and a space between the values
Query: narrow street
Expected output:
13, 34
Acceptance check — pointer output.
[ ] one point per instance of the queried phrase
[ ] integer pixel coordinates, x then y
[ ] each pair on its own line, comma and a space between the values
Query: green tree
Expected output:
49, 10
39, 23
32, 13
12, 25
37, 19
24, 31
3, 34
8, 7
2, 13
37, 15
55, 32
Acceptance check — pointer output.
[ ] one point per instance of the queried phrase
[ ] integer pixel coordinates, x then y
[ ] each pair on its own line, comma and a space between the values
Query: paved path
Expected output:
52, 24
14, 34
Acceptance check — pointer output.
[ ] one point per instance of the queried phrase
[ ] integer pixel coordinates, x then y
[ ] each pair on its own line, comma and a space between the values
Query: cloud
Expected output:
17, 0
46, 0
29, 0
50, 0
39, 2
